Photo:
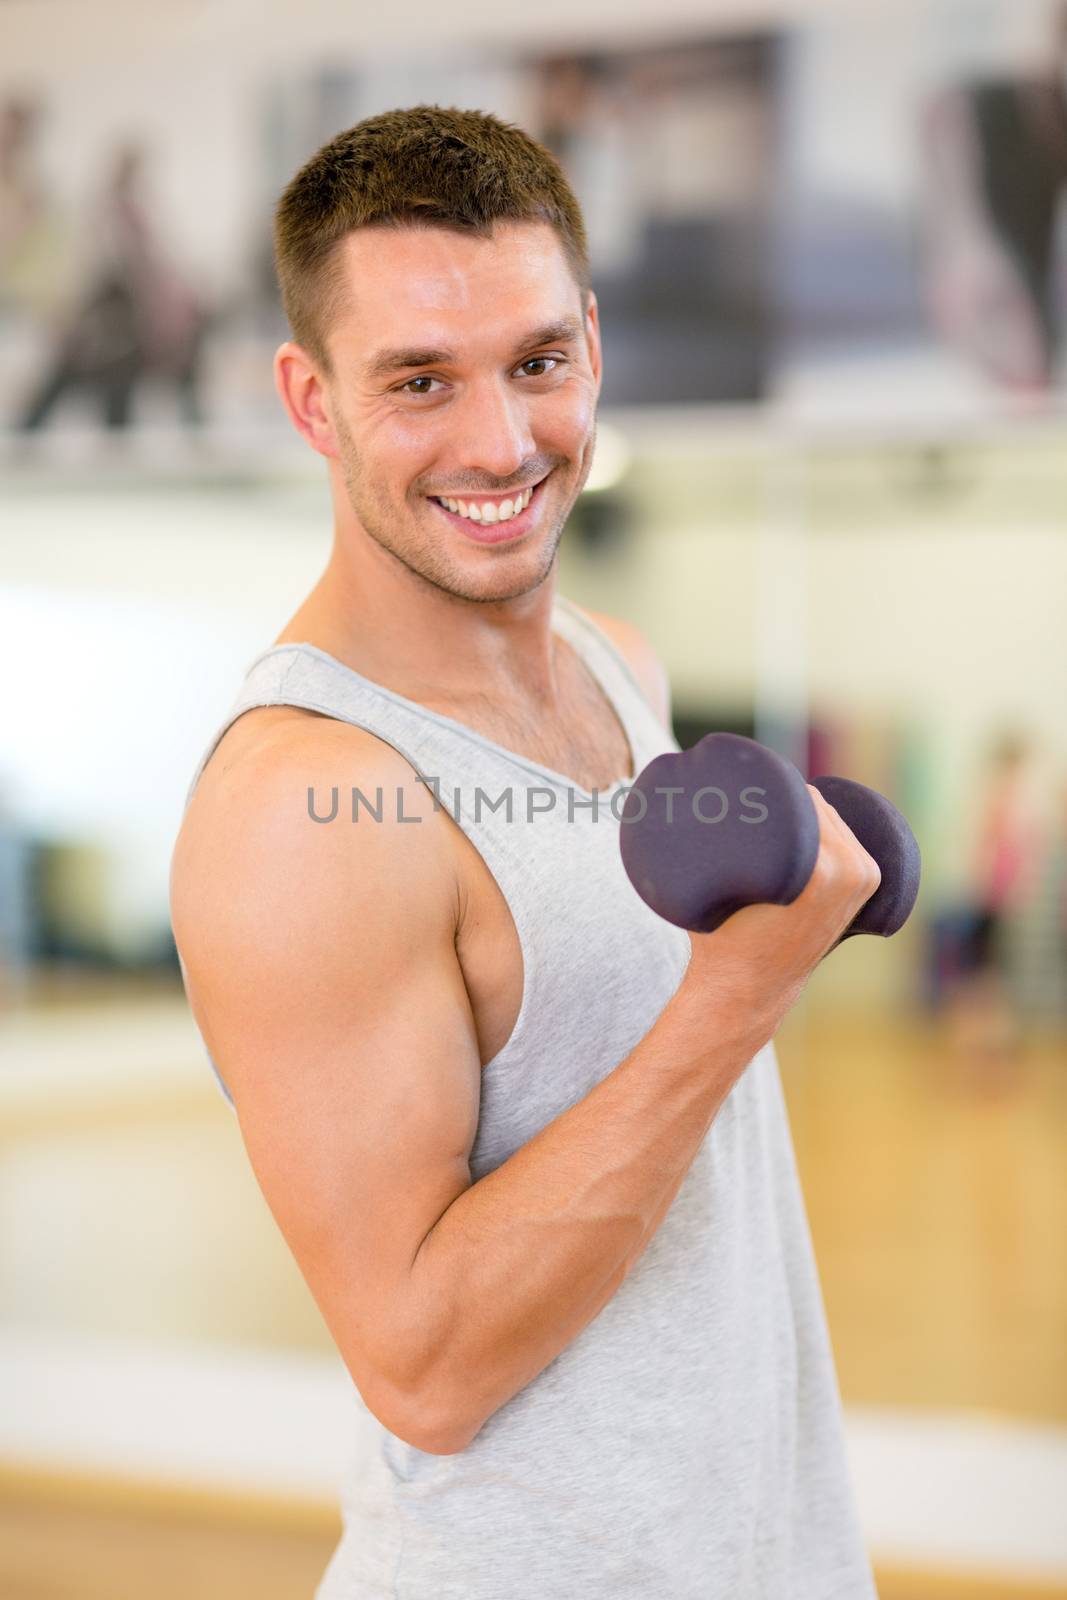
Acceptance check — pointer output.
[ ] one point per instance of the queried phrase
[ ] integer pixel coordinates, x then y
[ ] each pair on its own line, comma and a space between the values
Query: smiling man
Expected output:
525, 1140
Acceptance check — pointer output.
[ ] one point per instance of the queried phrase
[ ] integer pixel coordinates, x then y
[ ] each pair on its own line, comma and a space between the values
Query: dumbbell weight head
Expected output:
884, 833
730, 823
725, 824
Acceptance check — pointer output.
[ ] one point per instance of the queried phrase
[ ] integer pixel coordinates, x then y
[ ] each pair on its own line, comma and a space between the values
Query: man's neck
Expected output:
435, 648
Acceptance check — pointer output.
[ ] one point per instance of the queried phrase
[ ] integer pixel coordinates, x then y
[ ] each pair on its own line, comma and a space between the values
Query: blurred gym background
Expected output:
831, 486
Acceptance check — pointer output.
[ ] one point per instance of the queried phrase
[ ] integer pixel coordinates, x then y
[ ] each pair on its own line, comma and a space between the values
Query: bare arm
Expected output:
357, 1084
522, 1261
321, 968
518, 1265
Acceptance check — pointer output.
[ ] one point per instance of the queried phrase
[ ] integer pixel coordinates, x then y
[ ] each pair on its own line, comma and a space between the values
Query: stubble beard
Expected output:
427, 560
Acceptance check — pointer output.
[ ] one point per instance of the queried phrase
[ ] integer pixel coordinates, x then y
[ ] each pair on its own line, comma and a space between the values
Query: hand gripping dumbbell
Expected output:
730, 823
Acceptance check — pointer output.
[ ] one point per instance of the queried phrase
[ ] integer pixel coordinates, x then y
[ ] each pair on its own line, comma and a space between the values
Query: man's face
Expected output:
510, 403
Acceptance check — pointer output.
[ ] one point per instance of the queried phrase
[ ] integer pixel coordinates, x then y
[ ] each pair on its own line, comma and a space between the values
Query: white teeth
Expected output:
489, 512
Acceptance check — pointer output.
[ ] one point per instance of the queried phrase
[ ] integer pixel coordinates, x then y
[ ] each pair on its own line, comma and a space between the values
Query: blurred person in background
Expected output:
985, 1027
17, 912
995, 159
135, 318
34, 232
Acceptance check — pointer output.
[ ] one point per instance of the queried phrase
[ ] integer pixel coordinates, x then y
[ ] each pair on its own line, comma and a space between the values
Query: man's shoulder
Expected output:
260, 807
640, 656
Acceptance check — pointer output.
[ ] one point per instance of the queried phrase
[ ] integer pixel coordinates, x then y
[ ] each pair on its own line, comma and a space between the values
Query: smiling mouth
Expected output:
493, 528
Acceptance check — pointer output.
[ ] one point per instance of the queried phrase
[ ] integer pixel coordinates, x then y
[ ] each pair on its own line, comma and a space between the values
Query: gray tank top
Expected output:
688, 1443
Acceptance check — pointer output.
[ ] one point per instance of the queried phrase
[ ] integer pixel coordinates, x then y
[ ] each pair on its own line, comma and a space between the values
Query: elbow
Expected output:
444, 1444
417, 1401
423, 1422
436, 1430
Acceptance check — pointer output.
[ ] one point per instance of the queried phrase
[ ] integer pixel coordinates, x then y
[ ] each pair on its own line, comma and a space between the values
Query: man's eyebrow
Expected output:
563, 331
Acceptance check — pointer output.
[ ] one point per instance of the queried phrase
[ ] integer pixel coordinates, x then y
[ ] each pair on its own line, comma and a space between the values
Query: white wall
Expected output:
190, 77
130, 615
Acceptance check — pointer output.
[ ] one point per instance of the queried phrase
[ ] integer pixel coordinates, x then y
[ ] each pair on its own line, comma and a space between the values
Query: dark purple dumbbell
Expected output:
730, 823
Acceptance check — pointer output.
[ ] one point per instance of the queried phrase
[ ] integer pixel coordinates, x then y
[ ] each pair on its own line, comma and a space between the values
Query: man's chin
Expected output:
520, 574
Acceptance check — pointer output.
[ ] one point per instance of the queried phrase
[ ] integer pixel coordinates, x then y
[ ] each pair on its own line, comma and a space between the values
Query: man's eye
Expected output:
423, 377
534, 360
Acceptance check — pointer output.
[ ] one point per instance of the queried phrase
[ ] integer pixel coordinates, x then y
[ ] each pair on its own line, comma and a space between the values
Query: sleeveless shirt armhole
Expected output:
492, 850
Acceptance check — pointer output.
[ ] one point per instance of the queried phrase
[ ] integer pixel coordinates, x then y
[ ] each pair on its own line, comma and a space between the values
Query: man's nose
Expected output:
494, 431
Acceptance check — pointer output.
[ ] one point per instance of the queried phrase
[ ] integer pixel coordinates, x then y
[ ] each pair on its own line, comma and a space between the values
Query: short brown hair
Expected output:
428, 164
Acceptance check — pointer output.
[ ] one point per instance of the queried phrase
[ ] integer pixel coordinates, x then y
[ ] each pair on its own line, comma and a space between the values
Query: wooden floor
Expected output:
938, 1212
70, 1541
938, 1209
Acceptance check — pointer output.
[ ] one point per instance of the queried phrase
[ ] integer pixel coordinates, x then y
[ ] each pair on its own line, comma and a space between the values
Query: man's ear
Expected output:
303, 394
592, 338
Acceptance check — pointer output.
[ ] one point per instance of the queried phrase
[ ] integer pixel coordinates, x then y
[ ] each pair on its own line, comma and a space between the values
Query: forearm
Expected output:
523, 1259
